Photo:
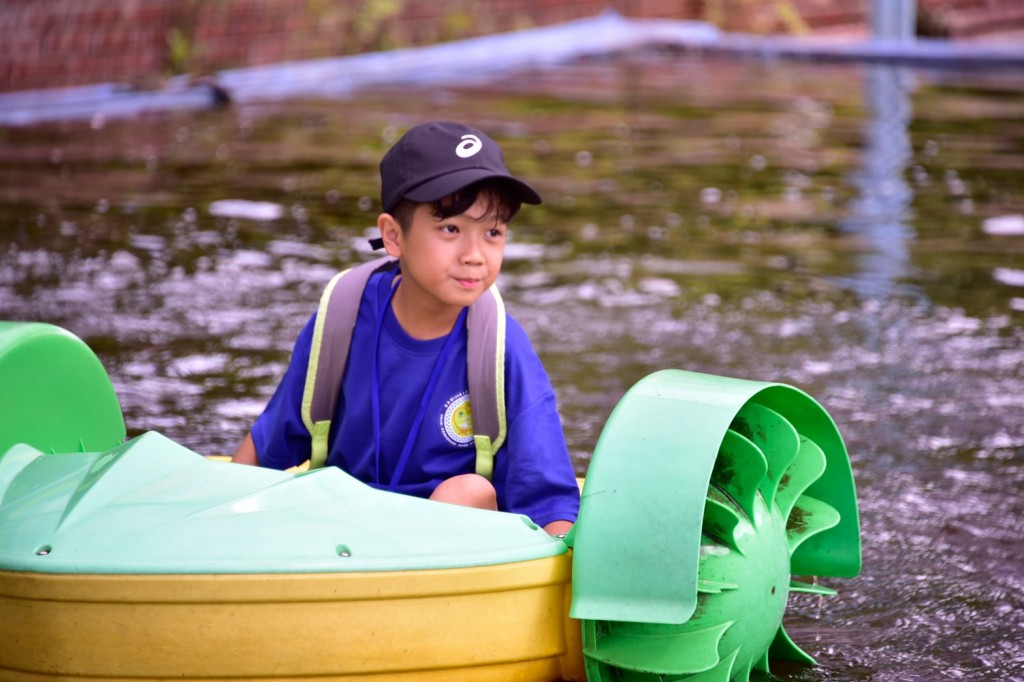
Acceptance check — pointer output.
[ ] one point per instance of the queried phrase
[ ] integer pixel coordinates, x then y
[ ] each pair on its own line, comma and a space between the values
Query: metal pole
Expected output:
894, 19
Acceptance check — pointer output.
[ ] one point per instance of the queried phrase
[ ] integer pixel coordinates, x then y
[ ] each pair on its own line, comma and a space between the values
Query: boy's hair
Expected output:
502, 202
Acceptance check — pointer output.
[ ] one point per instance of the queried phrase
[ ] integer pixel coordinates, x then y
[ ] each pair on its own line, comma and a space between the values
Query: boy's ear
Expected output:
390, 233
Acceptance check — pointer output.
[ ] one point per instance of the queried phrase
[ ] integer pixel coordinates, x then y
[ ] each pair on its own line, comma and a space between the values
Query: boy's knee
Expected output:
468, 490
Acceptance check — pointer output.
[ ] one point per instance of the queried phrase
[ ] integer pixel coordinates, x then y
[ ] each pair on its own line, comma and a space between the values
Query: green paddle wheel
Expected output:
705, 496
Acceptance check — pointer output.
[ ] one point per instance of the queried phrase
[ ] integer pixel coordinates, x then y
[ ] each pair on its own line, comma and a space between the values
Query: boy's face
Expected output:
447, 263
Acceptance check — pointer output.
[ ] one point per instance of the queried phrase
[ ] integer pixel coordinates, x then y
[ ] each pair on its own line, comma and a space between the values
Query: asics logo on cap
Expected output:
469, 146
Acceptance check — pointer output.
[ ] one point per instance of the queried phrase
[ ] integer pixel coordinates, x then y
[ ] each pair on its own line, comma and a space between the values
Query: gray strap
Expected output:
485, 358
485, 365
338, 325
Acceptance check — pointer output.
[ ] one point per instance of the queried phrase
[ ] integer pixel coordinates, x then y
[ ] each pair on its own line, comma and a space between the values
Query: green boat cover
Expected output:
154, 506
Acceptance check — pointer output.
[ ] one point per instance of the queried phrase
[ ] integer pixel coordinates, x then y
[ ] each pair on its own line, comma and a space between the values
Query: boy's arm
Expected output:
534, 475
246, 452
279, 427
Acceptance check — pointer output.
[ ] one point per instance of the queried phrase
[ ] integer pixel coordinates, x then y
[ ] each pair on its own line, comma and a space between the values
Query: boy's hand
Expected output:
558, 527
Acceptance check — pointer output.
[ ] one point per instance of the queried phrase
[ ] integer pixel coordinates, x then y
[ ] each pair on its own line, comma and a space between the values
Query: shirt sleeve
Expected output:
533, 471
281, 438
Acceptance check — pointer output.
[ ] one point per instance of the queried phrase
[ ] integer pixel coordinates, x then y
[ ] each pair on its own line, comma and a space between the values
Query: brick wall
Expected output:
49, 43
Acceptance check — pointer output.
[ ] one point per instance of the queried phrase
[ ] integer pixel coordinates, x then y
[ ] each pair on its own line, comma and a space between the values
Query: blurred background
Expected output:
48, 43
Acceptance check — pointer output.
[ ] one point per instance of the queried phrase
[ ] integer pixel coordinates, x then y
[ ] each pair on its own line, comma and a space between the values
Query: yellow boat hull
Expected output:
505, 623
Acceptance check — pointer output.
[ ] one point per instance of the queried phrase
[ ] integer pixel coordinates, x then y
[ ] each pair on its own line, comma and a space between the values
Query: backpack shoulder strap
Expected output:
332, 336
485, 357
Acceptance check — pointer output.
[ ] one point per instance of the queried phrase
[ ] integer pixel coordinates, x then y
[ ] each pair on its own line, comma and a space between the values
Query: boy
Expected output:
403, 419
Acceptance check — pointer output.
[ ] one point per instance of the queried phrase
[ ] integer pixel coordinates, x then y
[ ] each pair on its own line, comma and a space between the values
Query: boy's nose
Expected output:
471, 250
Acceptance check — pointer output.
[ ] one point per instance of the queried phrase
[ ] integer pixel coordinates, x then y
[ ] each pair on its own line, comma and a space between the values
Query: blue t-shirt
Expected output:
533, 473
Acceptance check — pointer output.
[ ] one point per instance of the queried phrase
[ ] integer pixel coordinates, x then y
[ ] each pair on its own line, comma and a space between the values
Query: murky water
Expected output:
854, 231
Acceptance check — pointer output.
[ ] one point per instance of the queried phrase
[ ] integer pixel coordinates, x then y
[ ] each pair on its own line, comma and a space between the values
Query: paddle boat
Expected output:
132, 559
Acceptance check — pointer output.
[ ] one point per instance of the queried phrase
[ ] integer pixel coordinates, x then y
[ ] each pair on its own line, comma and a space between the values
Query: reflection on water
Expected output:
826, 226
880, 212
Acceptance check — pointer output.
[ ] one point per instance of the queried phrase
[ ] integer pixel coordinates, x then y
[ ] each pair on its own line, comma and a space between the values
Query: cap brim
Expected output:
440, 187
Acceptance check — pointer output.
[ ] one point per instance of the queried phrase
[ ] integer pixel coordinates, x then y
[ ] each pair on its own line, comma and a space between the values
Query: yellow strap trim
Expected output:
318, 448
314, 352
499, 370
484, 456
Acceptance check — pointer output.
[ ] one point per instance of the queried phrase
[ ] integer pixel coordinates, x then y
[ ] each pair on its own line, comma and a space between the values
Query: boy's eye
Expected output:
496, 232
449, 229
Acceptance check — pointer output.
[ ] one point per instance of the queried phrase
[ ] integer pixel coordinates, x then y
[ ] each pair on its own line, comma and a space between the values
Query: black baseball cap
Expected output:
434, 160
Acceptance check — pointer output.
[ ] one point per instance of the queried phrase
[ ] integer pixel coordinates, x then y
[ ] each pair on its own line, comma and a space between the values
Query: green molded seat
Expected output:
55, 394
